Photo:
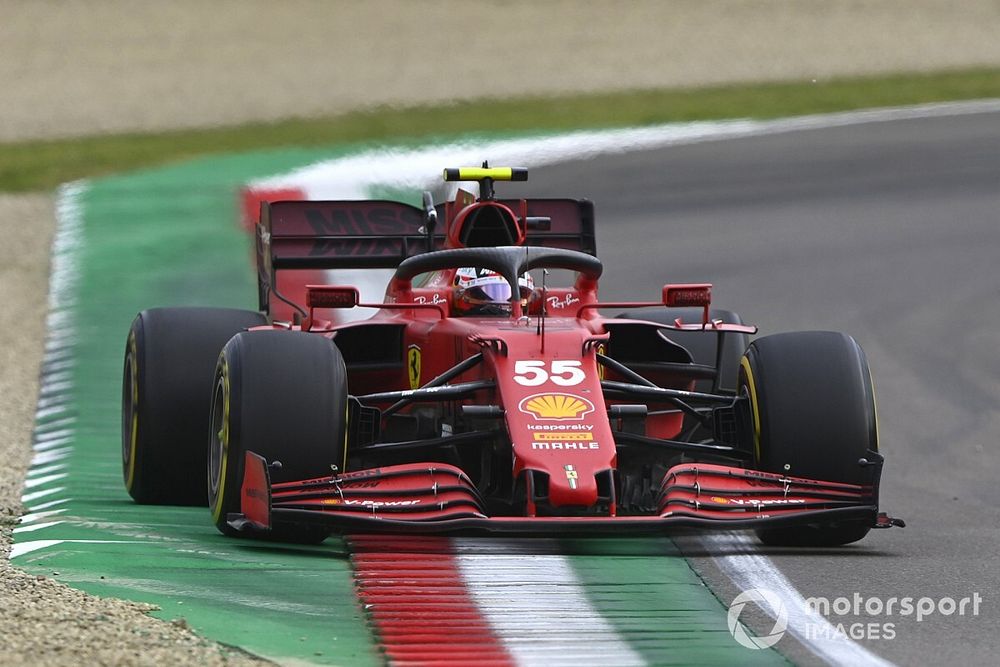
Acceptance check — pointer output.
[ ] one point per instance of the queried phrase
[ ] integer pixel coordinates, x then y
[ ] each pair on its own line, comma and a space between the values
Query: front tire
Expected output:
813, 413
170, 356
282, 395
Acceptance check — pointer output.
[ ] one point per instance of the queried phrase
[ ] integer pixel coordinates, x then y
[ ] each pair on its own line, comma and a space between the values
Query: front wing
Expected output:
439, 498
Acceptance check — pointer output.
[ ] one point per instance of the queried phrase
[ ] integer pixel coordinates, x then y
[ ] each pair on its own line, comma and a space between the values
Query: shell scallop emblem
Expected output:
556, 406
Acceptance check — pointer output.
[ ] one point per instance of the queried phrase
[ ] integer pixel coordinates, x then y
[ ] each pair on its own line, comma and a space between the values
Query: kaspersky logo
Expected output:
556, 406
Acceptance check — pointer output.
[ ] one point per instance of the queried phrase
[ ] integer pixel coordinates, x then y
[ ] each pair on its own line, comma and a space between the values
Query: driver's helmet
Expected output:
485, 292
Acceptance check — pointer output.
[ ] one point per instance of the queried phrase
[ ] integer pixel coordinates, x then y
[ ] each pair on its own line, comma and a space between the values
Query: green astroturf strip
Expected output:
649, 593
170, 237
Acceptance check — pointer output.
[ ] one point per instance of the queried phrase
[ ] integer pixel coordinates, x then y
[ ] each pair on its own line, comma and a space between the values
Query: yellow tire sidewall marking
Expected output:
224, 439
871, 383
745, 364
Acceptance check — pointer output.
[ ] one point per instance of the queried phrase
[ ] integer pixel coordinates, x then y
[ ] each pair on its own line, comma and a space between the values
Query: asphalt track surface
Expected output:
888, 231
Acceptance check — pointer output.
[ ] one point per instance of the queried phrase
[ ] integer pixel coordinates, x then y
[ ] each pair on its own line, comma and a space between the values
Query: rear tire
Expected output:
170, 356
813, 411
282, 395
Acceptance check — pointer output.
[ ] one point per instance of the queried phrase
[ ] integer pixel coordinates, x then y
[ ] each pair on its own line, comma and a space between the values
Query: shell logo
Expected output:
556, 406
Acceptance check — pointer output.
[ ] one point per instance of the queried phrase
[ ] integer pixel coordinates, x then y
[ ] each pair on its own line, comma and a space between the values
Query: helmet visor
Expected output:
497, 292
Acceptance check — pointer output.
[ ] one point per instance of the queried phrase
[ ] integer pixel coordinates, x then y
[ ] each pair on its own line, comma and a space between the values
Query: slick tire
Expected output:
813, 412
282, 395
170, 357
702, 346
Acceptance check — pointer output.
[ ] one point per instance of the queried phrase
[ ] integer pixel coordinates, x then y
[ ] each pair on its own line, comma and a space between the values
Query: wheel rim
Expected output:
219, 441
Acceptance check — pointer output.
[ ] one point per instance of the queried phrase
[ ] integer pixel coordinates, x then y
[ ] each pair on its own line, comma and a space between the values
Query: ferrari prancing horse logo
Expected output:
571, 476
413, 365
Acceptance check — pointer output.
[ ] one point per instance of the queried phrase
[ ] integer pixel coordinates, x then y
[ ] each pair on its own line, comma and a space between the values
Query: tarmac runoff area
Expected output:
73, 68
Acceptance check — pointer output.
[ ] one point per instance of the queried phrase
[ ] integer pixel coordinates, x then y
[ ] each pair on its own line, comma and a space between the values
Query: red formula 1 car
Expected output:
484, 395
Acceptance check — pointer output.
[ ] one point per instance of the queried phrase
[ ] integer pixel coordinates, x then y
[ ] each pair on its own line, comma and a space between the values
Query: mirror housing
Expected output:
687, 294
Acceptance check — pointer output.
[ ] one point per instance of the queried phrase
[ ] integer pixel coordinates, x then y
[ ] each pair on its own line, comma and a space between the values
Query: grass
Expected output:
43, 164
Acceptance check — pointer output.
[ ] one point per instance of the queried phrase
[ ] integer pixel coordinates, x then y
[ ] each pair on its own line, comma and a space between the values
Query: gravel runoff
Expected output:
70, 67
43, 622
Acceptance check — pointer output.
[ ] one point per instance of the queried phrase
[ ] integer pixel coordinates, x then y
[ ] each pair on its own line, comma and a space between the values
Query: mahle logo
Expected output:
774, 606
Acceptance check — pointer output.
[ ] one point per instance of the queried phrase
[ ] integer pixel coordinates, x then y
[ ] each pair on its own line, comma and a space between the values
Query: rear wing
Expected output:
326, 235
571, 227
374, 234
339, 234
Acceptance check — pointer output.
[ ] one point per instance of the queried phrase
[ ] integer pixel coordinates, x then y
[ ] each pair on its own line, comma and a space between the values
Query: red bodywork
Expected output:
540, 375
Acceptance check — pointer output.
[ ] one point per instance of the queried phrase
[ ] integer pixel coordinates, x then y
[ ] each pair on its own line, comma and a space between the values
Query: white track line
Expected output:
22, 548
33, 517
529, 598
748, 569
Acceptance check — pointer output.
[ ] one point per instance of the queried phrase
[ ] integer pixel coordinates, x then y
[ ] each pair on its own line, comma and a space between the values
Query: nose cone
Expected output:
570, 489
563, 435
555, 413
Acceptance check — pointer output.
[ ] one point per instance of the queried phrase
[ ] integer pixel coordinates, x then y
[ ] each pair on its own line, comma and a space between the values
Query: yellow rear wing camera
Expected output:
482, 173
486, 175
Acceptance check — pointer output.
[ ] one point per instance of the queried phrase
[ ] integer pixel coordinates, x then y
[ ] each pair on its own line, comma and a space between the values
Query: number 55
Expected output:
532, 373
